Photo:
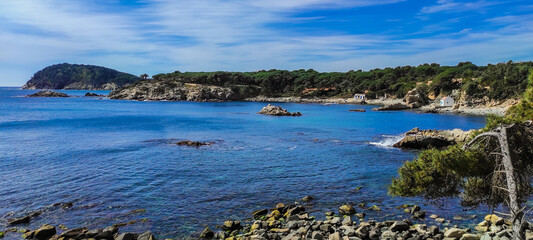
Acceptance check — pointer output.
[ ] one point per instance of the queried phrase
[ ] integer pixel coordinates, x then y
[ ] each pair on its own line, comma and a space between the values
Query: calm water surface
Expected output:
110, 157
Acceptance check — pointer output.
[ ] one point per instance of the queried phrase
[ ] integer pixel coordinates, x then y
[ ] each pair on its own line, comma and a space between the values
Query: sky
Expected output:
159, 36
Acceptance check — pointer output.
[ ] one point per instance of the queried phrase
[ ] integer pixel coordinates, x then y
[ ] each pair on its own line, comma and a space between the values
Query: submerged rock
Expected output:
15, 221
357, 110
277, 111
48, 94
193, 143
421, 139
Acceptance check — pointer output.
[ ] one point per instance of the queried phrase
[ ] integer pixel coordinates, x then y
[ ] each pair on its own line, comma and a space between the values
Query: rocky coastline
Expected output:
48, 94
294, 222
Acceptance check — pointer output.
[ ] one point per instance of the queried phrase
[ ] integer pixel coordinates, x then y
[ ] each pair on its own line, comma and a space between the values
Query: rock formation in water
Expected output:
422, 139
277, 111
90, 94
76, 76
174, 91
48, 94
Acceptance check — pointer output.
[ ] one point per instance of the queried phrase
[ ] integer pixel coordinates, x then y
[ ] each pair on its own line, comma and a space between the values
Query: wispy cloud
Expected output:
458, 6
206, 35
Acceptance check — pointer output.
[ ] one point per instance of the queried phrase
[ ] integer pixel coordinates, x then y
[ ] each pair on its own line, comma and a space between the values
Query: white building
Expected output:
446, 102
360, 97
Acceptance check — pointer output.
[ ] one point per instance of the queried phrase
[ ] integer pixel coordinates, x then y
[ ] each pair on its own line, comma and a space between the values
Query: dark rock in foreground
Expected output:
48, 94
422, 139
277, 111
193, 143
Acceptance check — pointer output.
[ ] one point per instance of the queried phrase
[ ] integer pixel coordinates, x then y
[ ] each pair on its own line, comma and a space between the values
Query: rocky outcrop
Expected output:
90, 94
78, 76
48, 94
174, 91
277, 111
422, 139
357, 110
392, 107
415, 99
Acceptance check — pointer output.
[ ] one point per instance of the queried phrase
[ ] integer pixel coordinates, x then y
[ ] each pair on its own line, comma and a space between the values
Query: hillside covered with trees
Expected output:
499, 81
76, 76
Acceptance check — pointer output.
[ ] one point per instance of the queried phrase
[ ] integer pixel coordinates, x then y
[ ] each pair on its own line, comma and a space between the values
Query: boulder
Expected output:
15, 221
399, 226
48, 94
90, 94
206, 234
259, 213
73, 233
277, 111
415, 99
44, 232
126, 236
454, 233
346, 210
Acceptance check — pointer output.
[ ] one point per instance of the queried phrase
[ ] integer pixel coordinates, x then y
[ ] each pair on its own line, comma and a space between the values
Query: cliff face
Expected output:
83, 77
174, 91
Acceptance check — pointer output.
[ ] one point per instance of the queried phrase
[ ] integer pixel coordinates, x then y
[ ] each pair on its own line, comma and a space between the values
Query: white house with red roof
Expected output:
446, 102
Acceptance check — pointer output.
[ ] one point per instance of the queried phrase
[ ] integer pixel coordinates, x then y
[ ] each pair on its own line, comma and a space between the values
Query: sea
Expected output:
116, 161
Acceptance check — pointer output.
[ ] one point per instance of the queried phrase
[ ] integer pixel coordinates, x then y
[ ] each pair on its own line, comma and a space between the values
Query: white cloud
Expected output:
164, 36
458, 6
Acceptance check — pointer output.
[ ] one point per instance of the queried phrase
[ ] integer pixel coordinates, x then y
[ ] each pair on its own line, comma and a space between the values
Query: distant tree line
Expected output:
499, 81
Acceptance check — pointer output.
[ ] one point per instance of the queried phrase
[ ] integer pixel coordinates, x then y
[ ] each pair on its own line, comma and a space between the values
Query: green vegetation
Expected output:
500, 81
74, 76
479, 171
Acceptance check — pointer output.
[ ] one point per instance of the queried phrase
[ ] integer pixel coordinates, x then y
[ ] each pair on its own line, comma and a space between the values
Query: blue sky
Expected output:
154, 36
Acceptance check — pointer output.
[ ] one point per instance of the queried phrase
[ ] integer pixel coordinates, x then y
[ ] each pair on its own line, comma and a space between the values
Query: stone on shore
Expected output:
454, 233
346, 210
48, 94
149, 236
277, 111
44, 232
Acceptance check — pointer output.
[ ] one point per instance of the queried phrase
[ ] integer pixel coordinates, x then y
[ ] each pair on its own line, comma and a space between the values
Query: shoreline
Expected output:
294, 221
499, 110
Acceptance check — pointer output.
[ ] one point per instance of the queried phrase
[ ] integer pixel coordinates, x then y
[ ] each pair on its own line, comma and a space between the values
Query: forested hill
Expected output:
496, 81
76, 76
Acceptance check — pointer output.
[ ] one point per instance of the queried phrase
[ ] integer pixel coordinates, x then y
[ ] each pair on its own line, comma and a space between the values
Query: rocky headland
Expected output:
423, 139
78, 76
277, 111
174, 91
48, 94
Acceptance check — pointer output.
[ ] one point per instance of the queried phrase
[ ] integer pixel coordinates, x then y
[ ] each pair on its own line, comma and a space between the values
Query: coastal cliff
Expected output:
79, 77
174, 91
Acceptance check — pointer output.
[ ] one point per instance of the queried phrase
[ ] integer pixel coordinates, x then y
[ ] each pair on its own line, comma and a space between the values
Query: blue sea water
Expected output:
109, 157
